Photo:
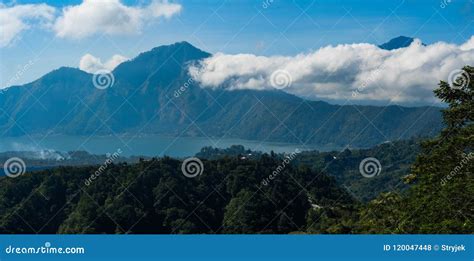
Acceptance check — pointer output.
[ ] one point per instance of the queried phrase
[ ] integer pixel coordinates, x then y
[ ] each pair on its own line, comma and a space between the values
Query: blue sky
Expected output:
258, 27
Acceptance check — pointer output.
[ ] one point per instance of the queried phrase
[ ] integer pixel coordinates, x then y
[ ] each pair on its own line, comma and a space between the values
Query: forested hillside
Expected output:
395, 159
155, 197
262, 193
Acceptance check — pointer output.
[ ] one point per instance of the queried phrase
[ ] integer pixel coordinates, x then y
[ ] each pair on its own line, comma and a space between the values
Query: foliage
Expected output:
442, 200
395, 157
153, 196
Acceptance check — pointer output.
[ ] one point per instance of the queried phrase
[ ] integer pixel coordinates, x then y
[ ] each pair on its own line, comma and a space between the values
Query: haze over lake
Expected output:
149, 145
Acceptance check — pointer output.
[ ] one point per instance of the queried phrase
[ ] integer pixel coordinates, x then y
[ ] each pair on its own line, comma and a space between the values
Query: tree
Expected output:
442, 198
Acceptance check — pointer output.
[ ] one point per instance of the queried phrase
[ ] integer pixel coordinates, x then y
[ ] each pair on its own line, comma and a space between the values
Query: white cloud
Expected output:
362, 72
16, 19
92, 64
110, 17
79, 21
163, 8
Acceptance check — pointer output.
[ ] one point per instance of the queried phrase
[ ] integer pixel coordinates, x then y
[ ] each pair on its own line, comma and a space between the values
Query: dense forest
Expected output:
154, 197
243, 192
395, 158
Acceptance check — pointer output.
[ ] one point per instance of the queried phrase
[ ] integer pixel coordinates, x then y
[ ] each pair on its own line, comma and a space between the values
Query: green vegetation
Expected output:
314, 193
442, 198
50, 158
155, 197
395, 158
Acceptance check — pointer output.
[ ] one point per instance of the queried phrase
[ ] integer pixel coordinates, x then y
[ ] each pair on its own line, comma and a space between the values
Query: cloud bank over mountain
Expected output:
362, 72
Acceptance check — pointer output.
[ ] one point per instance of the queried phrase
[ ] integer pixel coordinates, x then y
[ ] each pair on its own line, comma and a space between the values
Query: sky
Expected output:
39, 36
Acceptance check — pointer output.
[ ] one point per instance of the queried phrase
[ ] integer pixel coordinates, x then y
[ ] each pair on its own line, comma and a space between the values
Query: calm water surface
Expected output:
152, 145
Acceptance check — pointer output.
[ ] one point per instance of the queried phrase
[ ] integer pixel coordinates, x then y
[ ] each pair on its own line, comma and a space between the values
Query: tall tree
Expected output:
442, 198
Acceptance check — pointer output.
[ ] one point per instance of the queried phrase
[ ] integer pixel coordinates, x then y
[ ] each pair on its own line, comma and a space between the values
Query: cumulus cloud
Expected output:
18, 18
83, 20
92, 64
361, 72
110, 17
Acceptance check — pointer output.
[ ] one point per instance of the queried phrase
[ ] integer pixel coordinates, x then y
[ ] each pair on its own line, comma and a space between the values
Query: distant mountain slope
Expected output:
396, 43
145, 98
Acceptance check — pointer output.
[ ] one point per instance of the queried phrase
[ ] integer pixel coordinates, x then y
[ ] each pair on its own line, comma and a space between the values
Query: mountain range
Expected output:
154, 94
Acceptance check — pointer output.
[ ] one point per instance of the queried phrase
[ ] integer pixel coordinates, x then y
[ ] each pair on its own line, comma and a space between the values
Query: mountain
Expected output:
398, 42
153, 94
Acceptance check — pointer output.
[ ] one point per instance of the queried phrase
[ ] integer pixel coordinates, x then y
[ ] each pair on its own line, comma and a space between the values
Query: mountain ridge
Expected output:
142, 100
397, 43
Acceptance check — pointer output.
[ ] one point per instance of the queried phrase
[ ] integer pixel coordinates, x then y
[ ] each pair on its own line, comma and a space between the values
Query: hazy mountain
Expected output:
398, 42
145, 98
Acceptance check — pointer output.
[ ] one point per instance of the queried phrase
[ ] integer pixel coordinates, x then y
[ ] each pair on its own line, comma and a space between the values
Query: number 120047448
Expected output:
408, 247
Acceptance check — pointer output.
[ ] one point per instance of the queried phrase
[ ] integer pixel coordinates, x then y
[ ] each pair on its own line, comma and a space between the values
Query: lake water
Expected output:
151, 145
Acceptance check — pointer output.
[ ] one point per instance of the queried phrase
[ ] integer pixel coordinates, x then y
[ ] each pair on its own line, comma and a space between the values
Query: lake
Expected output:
150, 145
